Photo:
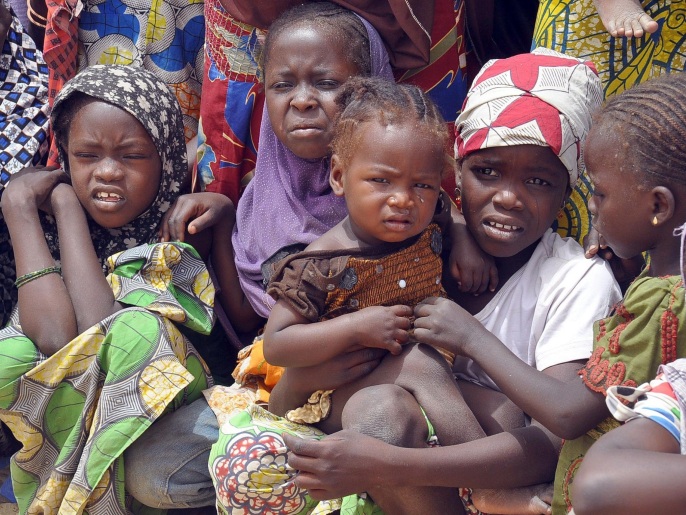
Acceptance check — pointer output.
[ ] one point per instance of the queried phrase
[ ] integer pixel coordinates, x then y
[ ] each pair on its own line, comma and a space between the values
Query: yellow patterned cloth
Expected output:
75, 412
574, 28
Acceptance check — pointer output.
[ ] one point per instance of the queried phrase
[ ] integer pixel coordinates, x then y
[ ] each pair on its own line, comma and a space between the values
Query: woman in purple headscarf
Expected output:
288, 204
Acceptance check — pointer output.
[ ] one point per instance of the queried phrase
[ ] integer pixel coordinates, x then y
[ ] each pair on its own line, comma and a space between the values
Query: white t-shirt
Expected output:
545, 311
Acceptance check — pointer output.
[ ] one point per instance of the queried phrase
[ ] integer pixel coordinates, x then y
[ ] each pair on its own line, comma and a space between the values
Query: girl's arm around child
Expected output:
556, 396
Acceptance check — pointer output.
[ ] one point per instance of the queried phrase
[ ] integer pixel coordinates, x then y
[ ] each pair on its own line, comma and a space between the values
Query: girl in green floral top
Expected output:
89, 362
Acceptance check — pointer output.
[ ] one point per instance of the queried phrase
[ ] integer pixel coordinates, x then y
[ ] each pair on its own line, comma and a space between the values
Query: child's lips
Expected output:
510, 227
104, 196
398, 223
108, 200
502, 230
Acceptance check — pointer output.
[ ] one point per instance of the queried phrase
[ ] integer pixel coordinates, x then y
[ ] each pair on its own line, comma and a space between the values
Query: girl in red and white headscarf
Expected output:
519, 146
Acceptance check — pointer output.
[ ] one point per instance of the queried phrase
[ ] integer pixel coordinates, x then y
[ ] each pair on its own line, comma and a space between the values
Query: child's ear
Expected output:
336, 175
663, 205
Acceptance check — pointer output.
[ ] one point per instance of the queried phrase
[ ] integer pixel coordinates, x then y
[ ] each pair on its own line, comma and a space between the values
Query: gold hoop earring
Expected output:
654, 221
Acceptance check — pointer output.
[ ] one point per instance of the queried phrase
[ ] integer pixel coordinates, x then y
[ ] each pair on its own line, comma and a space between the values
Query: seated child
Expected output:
635, 161
520, 138
357, 284
89, 363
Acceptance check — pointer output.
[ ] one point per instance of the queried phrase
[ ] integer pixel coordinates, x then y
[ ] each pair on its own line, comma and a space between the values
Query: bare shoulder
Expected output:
336, 238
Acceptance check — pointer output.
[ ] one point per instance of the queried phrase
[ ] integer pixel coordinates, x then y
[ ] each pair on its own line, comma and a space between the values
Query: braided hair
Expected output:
366, 99
345, 27
651, 118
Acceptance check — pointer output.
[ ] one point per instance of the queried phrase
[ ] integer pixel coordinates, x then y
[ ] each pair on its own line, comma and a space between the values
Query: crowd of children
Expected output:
414, 353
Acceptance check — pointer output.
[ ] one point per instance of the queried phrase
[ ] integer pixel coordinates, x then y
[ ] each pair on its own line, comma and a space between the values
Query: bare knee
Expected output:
388, 413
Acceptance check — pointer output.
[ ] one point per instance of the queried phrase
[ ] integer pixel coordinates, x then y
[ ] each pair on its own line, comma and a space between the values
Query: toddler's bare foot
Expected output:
625, 18
529, 500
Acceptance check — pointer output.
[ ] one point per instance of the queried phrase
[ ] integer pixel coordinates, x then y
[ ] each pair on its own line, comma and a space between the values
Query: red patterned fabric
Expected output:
544, 98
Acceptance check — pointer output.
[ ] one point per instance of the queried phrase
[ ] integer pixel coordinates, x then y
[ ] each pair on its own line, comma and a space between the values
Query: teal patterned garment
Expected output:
75, 412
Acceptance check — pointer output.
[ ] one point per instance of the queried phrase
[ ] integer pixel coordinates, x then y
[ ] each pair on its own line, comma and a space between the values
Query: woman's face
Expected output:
303, 74
113, 163
511, 196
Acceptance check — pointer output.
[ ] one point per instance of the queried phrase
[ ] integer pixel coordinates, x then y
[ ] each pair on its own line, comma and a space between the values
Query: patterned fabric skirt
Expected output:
75, 412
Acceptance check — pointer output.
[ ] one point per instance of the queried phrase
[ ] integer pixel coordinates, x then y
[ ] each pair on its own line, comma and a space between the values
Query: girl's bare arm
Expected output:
633, 469
556, 397
46, 312
88, 288
347, 462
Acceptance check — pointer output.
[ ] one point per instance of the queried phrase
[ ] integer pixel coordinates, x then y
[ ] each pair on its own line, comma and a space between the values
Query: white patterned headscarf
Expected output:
151, 102
543, 98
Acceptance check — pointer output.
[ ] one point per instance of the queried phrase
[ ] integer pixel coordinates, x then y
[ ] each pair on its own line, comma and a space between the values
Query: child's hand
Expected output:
442, 323
624, 270
473, 269
384, 327
194, 213
33, 185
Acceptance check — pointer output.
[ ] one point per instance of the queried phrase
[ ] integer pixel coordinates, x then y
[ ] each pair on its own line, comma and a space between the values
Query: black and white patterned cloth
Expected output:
24, 115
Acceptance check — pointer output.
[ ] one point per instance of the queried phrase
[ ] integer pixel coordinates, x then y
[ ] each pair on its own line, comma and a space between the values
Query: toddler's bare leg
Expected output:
424, 373
625, 18
391, 413
494, 411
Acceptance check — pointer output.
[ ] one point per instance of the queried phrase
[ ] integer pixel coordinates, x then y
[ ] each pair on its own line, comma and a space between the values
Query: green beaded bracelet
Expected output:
27, 278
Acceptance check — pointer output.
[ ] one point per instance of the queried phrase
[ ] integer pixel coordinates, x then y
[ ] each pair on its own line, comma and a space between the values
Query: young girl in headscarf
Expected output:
89, 362
519, 146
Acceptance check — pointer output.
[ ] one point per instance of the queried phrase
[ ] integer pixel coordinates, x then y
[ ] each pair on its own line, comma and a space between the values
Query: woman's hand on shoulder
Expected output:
32, 187
195, 212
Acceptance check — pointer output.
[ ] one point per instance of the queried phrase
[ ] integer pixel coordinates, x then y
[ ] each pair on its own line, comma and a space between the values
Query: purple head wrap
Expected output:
289, 200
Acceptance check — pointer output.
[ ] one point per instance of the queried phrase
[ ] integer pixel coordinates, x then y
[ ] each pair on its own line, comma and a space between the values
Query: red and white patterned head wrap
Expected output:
543, 98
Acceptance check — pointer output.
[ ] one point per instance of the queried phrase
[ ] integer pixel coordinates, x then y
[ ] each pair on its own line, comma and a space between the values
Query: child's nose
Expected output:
108, 170
400, 198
